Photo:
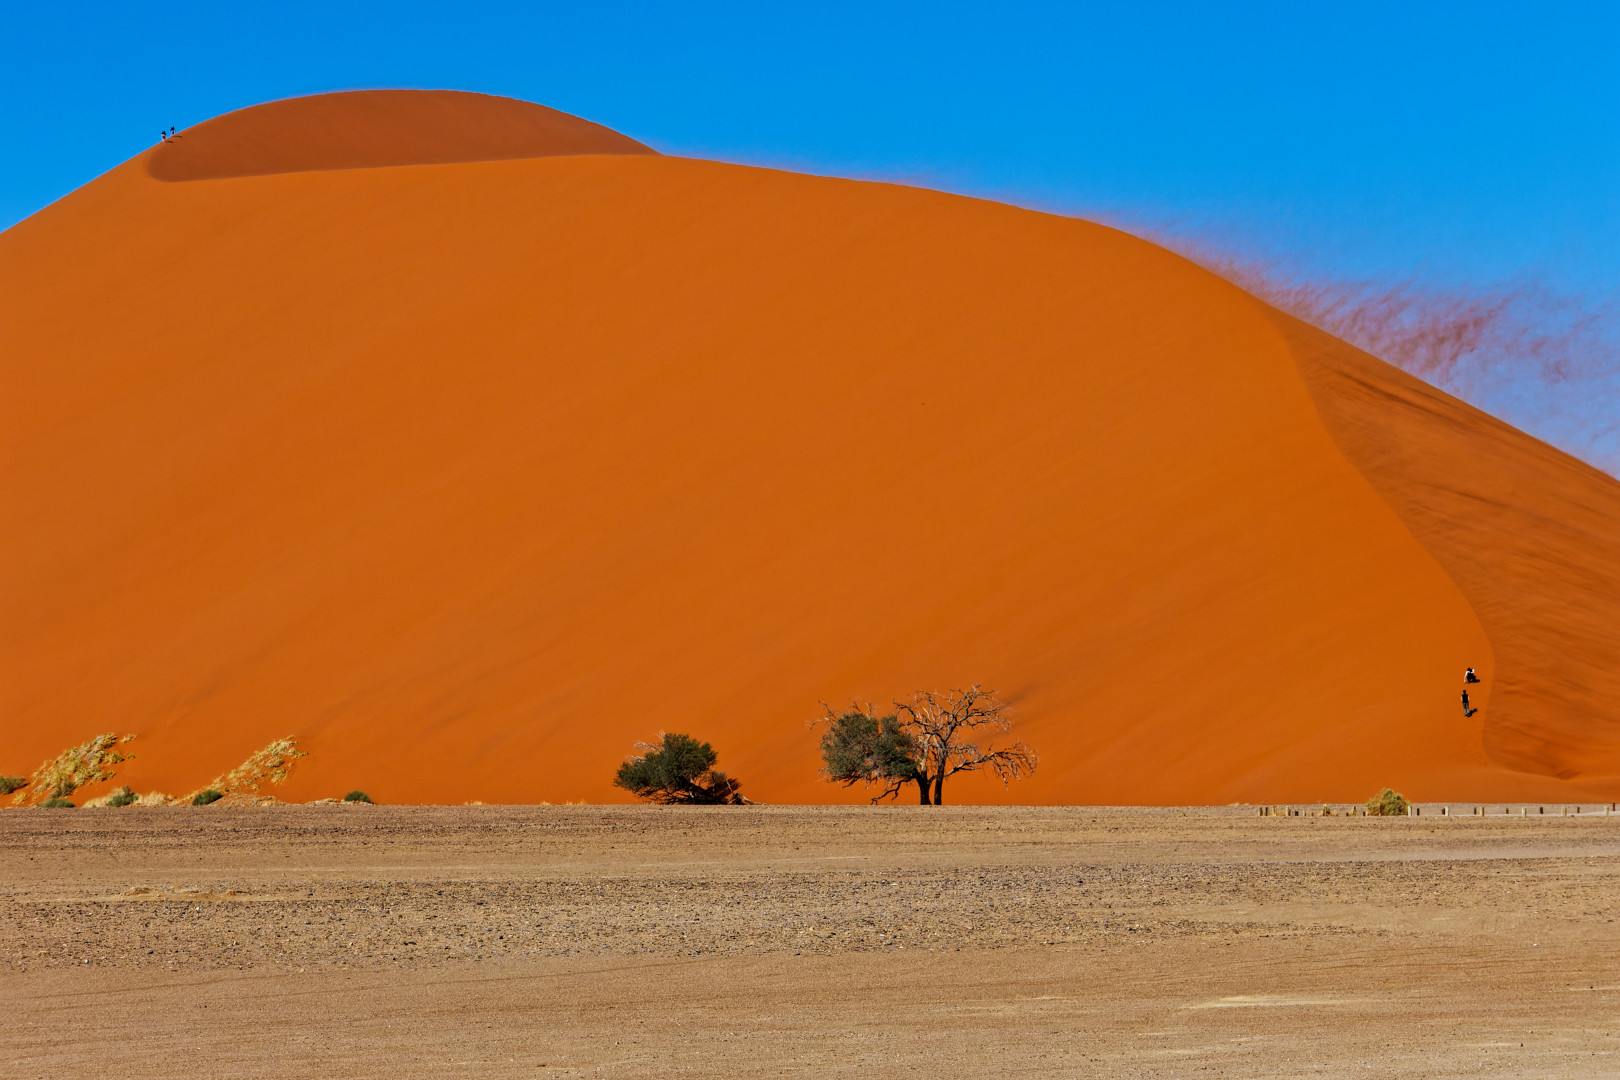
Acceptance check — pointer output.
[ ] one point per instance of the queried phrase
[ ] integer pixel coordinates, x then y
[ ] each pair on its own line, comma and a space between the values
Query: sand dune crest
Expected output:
373, 128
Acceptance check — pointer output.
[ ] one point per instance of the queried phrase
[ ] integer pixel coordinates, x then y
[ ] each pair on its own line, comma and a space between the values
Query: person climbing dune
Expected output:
1470, 677
1467, 710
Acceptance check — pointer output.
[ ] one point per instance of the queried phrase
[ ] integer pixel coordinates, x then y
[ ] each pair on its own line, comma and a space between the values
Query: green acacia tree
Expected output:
860, 748
927, 739
678, 770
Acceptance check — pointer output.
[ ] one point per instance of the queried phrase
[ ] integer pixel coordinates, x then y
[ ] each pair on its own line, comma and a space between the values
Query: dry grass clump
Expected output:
92, 762
1387, 803
127, 796
124, 796
271, 765
72, 769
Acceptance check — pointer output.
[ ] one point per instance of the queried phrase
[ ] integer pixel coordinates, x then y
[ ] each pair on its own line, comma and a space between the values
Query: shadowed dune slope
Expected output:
1531, 535
471, 475
364, 129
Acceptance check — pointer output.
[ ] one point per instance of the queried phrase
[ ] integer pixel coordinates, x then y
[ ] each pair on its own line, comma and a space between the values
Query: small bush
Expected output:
357, 796
58, 803
678, 770
8, 784
122, 797
206, 796
1386, 803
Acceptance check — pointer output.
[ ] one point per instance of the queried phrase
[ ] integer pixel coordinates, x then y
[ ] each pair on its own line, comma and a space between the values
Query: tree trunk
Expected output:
939, 788
922, 788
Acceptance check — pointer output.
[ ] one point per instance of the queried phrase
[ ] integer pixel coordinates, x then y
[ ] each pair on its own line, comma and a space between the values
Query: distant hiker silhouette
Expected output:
1470, 677
1466, 710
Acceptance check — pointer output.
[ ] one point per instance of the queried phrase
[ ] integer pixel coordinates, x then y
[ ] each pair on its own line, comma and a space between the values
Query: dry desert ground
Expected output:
488, 941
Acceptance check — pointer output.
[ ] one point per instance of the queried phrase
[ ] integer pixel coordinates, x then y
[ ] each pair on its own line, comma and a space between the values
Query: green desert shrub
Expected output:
678, 770
206, 796
58, 803
122, 797
357, 796
858, 747
8, 784
1387, 803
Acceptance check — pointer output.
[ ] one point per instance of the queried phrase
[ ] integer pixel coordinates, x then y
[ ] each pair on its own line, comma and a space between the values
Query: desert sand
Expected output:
812, 941
470, 443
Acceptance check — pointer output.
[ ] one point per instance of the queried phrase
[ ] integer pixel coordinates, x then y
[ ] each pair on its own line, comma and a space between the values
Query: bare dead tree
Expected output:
942, 724
925, 740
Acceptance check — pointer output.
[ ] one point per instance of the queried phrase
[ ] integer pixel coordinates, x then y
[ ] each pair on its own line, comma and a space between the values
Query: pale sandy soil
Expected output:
591, 941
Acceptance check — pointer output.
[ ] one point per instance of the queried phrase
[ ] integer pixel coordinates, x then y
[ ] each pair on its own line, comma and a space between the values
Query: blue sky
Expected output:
1466, 141
1461, 145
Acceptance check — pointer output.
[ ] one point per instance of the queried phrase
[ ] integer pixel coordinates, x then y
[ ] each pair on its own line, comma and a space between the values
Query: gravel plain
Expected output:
762, 941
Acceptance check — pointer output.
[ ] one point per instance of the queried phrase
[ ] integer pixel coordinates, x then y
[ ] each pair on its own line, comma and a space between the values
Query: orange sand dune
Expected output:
472, 473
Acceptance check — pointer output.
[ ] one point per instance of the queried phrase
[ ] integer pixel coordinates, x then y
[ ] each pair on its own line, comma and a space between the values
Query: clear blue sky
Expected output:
1460, 144
1468, 141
